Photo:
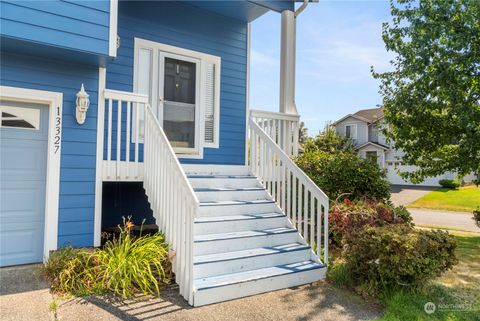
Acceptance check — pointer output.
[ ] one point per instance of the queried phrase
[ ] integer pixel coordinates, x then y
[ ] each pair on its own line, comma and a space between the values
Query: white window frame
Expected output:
54, 100
353, 125
156, 48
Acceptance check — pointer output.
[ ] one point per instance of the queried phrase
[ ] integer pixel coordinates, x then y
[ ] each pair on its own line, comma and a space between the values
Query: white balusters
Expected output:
173, 200
295, 193
125, 109
282, 129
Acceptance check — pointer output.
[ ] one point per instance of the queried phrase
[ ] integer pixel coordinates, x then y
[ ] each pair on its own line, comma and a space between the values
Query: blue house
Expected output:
117, 108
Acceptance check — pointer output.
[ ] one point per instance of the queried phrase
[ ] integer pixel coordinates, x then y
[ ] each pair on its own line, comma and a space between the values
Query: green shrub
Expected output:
341, 173
64, 267
380, 258
476, 216
449, 183
125, 266
350, 217
339, 274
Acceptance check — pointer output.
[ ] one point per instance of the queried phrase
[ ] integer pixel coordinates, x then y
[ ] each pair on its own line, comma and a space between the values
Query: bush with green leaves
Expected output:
124, 266
381, 258
449, 183
345, 173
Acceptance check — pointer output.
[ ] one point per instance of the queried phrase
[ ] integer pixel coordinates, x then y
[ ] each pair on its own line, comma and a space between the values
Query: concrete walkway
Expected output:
461, 221
26, 298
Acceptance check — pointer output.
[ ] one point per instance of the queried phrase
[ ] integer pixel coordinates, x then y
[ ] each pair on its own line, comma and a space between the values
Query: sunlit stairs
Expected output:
243, 242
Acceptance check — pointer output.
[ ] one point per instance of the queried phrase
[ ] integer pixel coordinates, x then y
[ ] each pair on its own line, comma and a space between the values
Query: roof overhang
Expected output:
353, 116
372, 144
245, 10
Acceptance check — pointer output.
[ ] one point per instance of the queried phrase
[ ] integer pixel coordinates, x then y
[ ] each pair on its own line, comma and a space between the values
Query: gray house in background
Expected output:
365, 128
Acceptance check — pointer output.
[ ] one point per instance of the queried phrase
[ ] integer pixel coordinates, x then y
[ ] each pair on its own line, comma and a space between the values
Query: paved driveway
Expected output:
24, 297
404, 195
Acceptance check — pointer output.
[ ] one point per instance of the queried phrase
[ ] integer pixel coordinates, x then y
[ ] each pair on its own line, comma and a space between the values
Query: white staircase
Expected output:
234, 230
243, 242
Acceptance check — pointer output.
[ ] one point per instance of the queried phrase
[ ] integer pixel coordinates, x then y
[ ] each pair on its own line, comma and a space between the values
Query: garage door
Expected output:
23, 164
395, 179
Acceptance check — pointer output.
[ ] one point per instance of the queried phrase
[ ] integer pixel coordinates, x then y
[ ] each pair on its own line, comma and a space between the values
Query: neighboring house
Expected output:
117, 108
365, 128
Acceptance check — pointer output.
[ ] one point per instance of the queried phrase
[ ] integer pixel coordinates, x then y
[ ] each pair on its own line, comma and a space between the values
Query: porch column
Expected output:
287, 64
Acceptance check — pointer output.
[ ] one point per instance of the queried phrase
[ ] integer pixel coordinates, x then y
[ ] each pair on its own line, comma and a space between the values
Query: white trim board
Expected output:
113, 29
54, 100
97, 230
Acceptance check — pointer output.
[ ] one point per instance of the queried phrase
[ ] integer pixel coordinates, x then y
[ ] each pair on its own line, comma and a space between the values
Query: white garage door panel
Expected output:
395, 179
23, 165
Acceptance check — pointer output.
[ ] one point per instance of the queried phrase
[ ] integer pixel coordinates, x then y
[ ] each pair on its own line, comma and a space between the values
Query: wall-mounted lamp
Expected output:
82, 105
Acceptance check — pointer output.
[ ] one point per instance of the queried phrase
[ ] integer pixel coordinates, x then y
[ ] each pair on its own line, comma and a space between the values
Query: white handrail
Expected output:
123, 153
172, 200
294, 192
282, 128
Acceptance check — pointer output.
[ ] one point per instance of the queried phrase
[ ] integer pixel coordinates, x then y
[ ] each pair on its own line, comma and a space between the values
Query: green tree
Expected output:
432, 97
329, 141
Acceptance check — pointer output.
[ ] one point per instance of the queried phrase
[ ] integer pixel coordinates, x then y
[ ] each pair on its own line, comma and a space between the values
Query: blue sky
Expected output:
337, 42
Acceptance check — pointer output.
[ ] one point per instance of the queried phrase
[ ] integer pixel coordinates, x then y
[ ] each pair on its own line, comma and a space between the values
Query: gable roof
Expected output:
373, 144
369, 116
372, 114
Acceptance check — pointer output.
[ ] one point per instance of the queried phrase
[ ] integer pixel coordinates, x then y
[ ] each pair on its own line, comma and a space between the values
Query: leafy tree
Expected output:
329, 141
432, 97
302, 133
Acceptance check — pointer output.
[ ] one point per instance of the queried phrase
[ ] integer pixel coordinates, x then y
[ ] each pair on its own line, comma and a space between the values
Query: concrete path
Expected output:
26, 298
24, 295
445, 219
404, 195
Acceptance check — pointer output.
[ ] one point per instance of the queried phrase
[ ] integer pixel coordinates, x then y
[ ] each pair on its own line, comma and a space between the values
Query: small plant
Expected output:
476, 216
125, 266
449, 183
54, 308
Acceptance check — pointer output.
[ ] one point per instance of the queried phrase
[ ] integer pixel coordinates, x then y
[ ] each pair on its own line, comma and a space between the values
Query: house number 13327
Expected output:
58, 130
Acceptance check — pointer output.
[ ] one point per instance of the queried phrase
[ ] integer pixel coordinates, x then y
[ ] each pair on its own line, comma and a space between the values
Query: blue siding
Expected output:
77, 25
77, 172
192, 28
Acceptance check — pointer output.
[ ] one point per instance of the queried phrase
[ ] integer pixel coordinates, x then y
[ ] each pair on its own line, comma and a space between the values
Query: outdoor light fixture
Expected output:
82, 105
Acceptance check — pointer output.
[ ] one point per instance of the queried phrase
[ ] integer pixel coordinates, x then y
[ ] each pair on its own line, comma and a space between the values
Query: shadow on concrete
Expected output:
21, 278
399, 188
140, 308
326, 302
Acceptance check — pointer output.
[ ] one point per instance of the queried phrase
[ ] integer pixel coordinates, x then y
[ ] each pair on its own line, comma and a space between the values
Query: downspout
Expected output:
287, 60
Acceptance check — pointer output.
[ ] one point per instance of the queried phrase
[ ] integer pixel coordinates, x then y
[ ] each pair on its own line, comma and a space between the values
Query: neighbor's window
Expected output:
351, 131
372, 156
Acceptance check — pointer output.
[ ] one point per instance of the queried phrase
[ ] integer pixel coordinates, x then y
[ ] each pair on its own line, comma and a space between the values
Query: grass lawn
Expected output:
464, 199
456, 293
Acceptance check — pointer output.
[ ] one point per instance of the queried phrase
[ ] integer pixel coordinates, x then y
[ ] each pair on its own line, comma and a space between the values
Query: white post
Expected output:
287, 64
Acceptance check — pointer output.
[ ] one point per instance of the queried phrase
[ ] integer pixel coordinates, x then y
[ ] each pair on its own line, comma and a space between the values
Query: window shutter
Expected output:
210, 103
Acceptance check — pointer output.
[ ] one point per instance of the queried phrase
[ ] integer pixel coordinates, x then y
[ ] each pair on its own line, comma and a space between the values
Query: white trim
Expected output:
112, 37
350, 115
99, 156
247, 107
55, 102
203, 58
